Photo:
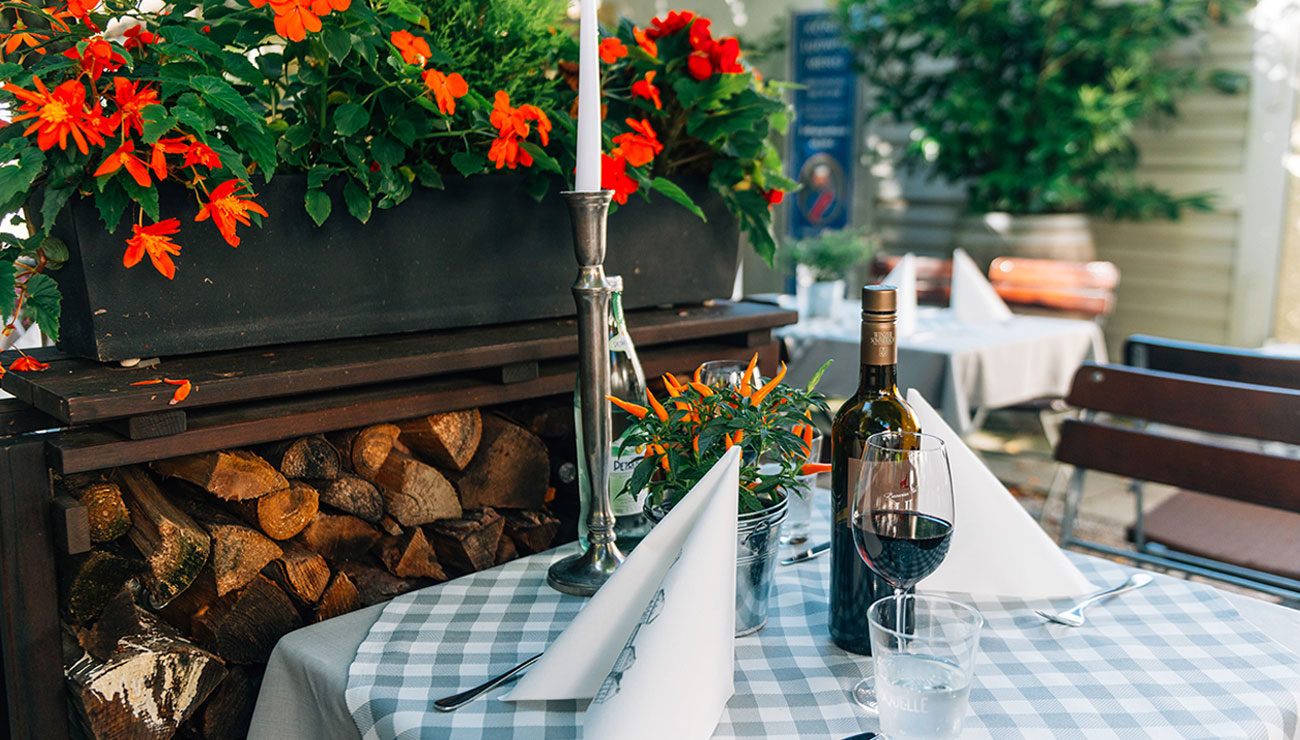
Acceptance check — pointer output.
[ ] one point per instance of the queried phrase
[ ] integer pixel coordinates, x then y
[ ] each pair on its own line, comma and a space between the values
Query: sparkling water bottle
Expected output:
626, 381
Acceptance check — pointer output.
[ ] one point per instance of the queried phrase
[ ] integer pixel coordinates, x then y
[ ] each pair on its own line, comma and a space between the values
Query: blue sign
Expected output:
825, 113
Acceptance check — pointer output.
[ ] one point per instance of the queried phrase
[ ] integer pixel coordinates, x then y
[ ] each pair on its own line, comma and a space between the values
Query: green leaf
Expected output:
16, 178
156, 123
428, 175
298, 135
8, 71
239, 66
55, 198
111, 202
185, 36
318, 206
387, 150
468, 163
45, 304
257, 143
317, 176
540, 157
640, 476
406, 11
677, 195
193, 114
350, 118
218, 93
337, 42
357, 200
7, 286
538, 185
146, 198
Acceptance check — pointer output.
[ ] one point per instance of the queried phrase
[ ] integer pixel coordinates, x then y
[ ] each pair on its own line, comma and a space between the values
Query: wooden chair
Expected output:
1212, 361
1056, 287
1238, 517
933, 277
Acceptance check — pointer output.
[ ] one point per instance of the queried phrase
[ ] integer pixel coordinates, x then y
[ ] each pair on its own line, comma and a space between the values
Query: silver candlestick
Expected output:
584, 573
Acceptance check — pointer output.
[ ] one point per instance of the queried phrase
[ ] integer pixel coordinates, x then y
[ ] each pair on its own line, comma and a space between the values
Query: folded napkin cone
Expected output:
903, 277
997, 548
974, 301
654, 649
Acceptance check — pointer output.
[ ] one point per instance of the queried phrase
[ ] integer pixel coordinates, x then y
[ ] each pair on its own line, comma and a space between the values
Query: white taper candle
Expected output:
589, 139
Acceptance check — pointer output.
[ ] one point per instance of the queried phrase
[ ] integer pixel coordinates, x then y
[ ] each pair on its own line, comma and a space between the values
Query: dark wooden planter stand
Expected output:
80, 415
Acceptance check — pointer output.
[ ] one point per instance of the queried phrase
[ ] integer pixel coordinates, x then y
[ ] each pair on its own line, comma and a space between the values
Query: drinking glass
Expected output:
923, 664
727, 374
902, 515
798, 512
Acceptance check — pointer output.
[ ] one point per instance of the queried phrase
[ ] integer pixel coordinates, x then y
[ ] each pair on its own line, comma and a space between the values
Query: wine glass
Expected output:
902, 515
727, 374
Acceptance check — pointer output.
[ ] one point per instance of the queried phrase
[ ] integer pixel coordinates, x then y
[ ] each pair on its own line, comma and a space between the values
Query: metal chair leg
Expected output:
1072, 498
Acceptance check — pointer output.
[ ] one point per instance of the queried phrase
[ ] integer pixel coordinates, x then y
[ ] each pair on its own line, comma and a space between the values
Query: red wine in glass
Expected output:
901, 547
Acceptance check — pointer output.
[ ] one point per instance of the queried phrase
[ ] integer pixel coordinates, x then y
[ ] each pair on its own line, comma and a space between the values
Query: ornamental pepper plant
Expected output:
111, 100
685, 434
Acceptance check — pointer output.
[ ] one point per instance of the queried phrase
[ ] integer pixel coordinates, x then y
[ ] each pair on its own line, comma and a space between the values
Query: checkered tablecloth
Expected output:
1171, 660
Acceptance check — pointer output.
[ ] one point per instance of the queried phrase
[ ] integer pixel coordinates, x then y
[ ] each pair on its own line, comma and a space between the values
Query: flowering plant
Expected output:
686, 435
367, 98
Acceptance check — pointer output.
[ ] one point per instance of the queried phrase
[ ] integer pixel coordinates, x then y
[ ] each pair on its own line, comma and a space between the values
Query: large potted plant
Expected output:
682, 437
382, 165
822, 263
1031, 105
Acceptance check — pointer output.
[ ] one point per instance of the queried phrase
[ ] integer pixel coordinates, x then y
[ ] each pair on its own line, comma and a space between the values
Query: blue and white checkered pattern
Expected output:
1172, 660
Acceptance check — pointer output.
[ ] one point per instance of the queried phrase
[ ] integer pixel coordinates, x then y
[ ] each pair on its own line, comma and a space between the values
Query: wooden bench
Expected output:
1074, 289
1238, 519
1212, 361
933, 276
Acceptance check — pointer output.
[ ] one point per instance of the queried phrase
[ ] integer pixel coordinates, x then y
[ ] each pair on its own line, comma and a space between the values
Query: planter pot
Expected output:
479, 252
1060, 236
822, 298
758, 541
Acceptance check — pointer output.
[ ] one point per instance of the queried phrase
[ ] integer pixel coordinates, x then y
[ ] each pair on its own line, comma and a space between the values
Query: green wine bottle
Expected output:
875, 407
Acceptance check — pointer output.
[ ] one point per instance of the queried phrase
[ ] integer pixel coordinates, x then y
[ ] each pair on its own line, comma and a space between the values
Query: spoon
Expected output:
457, 701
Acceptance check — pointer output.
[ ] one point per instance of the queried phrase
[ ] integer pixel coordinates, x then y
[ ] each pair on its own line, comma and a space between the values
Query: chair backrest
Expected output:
1152, 453
933, 276
1084, 289
1212, 361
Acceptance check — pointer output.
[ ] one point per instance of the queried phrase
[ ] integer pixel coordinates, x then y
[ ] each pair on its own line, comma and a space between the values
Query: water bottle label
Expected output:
620, 343
620, 470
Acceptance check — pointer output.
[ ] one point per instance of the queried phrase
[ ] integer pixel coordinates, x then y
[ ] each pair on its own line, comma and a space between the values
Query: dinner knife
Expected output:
808, 554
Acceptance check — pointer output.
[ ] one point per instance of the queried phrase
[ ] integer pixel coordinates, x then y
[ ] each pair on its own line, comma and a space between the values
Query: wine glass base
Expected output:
864, 694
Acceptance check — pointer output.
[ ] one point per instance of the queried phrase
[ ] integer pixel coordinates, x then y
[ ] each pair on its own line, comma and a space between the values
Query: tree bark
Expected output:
411, 556
243, 627
375, 585
511, 469
340, 598
338, 537
469, 544
90, 580
301, 572
532, 530
175, 547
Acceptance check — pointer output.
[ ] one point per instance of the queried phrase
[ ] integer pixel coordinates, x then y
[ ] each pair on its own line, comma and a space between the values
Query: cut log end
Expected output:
340, 597
233, 475
447, 440
468, 544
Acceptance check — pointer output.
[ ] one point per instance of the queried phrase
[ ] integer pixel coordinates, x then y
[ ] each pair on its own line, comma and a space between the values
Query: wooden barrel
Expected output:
1057, 236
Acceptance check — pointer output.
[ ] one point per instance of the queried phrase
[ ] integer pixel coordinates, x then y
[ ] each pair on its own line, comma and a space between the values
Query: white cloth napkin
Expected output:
974, 301
903, 277
997, 548
655, 648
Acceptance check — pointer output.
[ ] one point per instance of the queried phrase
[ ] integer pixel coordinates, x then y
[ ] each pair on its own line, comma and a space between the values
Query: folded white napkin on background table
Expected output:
903, 277
974, 301
654, 649
997, 547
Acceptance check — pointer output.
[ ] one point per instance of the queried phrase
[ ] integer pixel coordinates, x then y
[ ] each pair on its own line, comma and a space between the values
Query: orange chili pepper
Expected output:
740, 435
679, 385
703, 389
695, 444
758, 397
671, 386
633, 409
814, 468
682, 406
727, 437
807, 434
797, 430
663, 462
696, 376
660, 411
745, 388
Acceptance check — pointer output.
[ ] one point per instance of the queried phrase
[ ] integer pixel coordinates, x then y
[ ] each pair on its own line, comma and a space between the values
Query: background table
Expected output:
303, 691
959, 368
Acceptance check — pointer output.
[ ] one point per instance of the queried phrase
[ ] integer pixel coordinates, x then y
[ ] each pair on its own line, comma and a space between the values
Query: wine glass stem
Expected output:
898, 610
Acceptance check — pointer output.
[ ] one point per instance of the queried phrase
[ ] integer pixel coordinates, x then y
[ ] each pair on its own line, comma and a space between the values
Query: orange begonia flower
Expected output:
27, 363
508, 120
97, 58
199, 153
124, 156
701, 36
163, 147
155, 239
20, 36
131, 100
641, 144
414, 49
613, 176
58, 114
533, 113
227, 207
80, 9
138, 38
611, 50
506, 152
293, 18
725, 55
646, 89
646, 43
445, 89
672, 23
699, 65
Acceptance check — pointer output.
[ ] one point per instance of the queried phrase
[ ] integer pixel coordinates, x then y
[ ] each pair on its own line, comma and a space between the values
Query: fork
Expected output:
1073, 617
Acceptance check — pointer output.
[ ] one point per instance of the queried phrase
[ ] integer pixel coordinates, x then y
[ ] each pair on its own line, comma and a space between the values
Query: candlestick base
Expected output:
584, 573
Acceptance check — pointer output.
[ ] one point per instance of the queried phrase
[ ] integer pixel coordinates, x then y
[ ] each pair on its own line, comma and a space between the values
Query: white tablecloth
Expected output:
958, 368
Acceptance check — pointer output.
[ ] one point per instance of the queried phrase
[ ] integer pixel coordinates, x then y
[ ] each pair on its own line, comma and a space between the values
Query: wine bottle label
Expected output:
620, 470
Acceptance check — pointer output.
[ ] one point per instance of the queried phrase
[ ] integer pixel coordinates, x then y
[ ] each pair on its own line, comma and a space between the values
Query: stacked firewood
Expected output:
201, 563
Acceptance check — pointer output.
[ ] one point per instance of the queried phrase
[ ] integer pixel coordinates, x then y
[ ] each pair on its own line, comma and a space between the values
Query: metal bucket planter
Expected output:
758, 541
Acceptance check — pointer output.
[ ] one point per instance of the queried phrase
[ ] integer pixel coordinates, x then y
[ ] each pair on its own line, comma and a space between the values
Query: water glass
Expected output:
798, 517
727, 374
923, 669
